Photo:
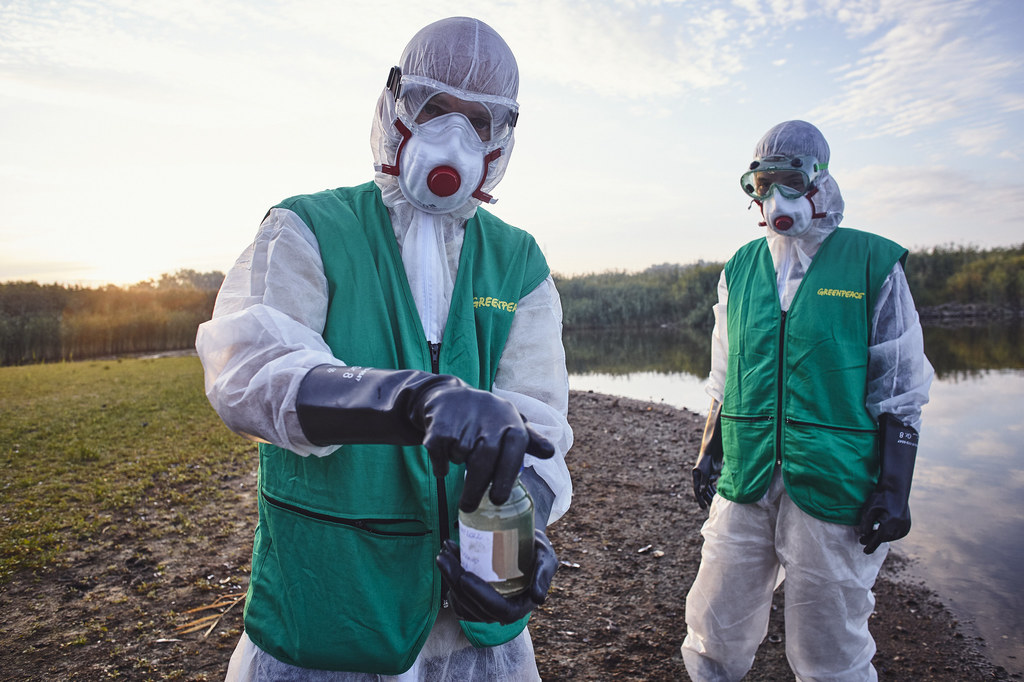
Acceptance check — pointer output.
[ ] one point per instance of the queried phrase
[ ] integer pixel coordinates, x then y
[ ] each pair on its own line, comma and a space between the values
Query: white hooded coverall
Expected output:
828, 578
266, 334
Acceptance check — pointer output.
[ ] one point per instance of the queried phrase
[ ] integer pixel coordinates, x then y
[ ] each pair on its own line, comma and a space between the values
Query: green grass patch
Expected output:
82, 443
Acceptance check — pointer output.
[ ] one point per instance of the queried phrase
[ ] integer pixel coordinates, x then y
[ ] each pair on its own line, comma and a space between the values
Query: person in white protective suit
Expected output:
817, 382
396, 351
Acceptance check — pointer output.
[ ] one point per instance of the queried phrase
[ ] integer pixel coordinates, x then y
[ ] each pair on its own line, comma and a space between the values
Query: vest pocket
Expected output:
352, 594
748, 443
832, 469
396, 527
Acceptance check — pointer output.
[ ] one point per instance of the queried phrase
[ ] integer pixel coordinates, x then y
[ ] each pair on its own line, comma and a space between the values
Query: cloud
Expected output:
931, 65
936, 188
622, 50
206, 63
636, 112
980, 140
639, 49
862, 17
759, 13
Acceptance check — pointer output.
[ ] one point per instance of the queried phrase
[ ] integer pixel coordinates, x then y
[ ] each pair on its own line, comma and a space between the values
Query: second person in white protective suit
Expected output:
396, 350
817, 382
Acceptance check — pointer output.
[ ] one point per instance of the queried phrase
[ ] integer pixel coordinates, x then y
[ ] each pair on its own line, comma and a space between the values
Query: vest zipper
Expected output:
829, 427
435, 357
442, 495
362, 524
778, 382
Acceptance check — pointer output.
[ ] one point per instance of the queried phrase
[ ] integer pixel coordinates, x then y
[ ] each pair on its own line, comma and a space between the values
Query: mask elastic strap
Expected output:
814, 209
760, 208
406, 135
478, 193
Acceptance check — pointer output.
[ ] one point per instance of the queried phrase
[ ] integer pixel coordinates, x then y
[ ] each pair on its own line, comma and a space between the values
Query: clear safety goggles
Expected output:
412, 93
792, 176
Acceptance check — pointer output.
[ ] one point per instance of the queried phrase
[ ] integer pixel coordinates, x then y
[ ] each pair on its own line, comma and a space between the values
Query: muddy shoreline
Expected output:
634, 532
118, 605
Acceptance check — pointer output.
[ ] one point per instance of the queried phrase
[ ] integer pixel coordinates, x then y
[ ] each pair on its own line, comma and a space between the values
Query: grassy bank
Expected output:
84, 446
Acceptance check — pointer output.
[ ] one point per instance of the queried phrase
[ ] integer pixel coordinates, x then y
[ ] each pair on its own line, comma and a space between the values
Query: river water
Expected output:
967, 541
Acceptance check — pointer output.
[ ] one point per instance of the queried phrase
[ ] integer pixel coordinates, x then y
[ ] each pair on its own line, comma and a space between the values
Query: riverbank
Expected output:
151, 593
630, 547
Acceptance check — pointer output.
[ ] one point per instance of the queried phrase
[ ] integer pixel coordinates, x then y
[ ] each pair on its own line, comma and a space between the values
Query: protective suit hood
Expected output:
467, 59
463, 57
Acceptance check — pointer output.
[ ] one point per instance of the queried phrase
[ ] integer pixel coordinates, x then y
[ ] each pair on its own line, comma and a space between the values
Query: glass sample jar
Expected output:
496, 541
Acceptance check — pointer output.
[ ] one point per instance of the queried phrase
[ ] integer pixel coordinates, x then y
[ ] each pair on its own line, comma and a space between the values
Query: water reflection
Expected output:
971, 350
968, 536
677, 389
968, 490
955, 352
627, 351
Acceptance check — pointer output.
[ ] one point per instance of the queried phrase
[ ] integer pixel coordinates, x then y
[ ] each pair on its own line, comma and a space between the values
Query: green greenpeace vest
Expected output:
796, 382
343, 572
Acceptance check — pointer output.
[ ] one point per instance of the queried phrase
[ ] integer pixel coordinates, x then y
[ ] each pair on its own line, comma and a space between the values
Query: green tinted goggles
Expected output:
793, 176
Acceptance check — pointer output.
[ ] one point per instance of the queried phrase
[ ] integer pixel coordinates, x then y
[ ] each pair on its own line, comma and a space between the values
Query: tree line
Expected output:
682, 296
661, 295
967, 275
50, 323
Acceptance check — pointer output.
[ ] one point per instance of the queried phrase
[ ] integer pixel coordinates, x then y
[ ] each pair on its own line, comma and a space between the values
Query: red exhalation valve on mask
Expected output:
783, 222
444, 181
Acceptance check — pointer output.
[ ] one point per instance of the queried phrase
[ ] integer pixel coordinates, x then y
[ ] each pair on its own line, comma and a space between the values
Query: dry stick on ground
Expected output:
225, 600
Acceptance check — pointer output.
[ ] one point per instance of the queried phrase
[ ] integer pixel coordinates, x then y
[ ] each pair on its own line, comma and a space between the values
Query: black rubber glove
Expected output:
474, 600
886, 514
456, 423
709, 462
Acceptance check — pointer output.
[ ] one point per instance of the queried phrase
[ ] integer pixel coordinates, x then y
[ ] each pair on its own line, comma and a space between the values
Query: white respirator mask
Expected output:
442, 163
788, 217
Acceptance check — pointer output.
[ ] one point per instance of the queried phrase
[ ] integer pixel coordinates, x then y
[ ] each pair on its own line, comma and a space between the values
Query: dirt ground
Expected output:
127, 604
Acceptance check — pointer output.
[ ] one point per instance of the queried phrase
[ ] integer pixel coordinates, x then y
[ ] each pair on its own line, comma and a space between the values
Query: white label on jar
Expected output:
492, 555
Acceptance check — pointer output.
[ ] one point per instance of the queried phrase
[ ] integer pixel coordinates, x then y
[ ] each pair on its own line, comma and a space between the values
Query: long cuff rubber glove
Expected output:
709, 462
886, 514
473, 599
456, 423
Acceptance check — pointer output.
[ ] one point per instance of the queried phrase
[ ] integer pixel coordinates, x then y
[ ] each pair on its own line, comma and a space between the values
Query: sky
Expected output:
138, 138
